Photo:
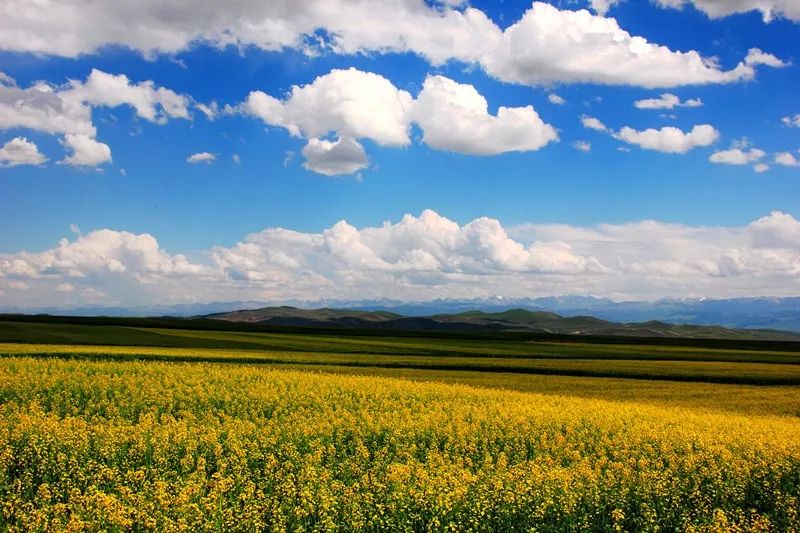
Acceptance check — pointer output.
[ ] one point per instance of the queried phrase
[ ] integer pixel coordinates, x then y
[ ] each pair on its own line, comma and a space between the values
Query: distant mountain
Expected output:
475, 320
735, 313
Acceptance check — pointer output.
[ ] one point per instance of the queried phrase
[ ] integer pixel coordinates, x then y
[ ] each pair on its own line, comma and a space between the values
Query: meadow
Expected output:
107, 428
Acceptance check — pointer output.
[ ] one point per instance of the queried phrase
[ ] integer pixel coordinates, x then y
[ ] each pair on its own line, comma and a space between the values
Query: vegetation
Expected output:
190, 430
118, 446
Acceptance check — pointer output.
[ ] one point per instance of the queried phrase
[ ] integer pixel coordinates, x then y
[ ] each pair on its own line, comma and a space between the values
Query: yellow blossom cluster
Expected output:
156, 446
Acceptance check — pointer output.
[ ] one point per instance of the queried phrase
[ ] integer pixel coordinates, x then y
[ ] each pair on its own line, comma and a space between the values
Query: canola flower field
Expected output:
111, 438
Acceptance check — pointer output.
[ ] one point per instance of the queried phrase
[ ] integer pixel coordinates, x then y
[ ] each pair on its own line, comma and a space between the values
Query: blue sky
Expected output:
142, 184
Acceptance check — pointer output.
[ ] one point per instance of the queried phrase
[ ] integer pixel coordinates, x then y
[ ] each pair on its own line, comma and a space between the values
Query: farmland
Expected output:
108, 427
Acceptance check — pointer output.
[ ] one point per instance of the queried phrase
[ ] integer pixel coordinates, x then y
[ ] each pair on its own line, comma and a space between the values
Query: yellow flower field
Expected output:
137, 446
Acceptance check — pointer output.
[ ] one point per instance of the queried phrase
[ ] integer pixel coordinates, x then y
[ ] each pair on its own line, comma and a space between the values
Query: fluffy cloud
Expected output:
545, 45
201, 157
786, 159
67, 110
738, 155
455, 117
722, 8
420, 257
20, 151
792, 121
86, 152
156, 104
351, 104
669, 139
593, 123
40, 107
555, 99
601, 7
334, 158
667, 101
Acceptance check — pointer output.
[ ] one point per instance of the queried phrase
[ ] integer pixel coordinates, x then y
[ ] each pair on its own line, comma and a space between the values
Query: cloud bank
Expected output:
545, 45
417, 258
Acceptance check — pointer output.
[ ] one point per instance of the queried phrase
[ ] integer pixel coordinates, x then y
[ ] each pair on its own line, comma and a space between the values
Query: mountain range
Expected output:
517, 320
754, 313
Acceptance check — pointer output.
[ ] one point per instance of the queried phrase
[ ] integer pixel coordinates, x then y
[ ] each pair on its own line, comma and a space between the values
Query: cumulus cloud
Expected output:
20, 151
546, 44
67, 109
86, 151
156, 104
669, 139
593, 123
601, 7
41, 107
667, 101
792, 121
555, 99
761, 167
420, 257
352, 104
739, 154
786, 159
769, 9
201, 157
455, 117
334, 158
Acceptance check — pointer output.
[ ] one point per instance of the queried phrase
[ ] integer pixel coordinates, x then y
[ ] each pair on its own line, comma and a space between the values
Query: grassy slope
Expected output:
129, 336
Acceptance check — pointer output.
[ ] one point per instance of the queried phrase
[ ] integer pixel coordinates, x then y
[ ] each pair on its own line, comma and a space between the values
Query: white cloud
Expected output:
211, 111
343, 156
352, 105
667, 101
20, 151
350, 102
555, 99
669, 139
786, 159
592, 123
42, 108
761, 167
601, 7
67, 110
455, 117
201, 157
757, 57
85, 151
422, 257
769, 9
155, 104
737, 156
545, 45
551, 45
583, 146
792, 121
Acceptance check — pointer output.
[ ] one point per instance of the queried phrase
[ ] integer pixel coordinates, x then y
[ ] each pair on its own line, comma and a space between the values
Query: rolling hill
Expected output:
521, 320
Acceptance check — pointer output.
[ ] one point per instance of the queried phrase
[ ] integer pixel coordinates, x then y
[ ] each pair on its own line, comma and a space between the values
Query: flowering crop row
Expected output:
121, 446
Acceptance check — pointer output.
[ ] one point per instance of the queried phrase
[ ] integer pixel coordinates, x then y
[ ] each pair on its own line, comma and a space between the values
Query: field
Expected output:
129, 428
